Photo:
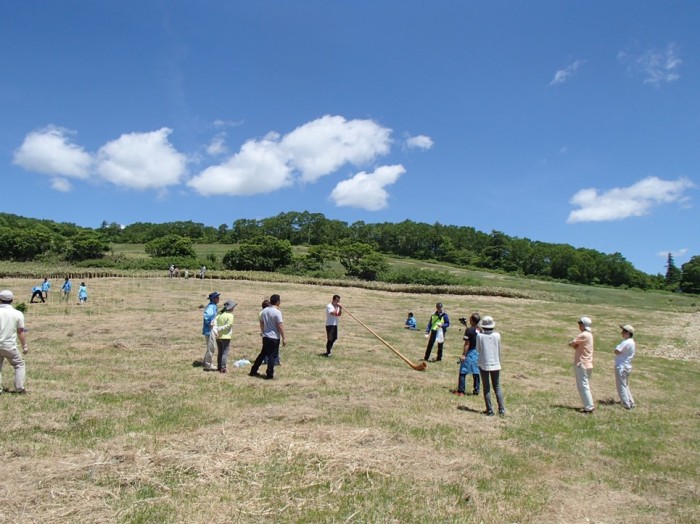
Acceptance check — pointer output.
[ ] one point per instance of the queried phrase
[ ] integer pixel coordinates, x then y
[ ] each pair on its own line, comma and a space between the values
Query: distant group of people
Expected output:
41, 291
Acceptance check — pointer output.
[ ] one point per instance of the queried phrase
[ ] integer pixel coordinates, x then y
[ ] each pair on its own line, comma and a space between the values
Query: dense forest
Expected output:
257, 242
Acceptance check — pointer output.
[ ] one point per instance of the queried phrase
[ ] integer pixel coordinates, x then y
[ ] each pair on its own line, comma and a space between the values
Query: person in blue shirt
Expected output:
208, 322
82, 294
66, 289
36, 292
410, 322
436, 331
45, 287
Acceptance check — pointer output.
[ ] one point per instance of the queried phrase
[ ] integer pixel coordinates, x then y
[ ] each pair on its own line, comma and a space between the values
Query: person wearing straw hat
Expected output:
209, 321
624, 353
11, 329
583, 362
224, 327
488, 344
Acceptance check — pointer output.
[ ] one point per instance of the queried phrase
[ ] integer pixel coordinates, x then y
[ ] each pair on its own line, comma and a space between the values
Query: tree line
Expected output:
462, 246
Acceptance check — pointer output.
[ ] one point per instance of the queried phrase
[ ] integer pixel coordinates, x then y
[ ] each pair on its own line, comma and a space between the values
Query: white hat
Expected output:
487, 323
628, 328
6, 295
586, 323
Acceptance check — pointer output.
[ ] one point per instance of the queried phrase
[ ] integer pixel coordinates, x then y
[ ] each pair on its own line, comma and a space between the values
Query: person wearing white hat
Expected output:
624, 353
583, 362
11, 329
488, 344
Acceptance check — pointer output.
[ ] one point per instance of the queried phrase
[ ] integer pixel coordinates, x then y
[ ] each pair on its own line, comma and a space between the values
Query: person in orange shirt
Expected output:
583, 362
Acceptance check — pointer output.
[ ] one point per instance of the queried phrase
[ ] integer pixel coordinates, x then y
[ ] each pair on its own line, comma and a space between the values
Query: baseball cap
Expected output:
628, 328
586, 322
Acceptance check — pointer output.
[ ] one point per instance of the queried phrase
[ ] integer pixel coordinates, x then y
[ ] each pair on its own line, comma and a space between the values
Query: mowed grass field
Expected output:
120, 427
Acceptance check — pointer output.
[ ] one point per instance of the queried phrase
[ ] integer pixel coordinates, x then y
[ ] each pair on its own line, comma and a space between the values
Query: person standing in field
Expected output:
272, 329
12, 329
583, 362
66, 289
436, 331
488, 345
45, 288
333, 311
82, 294
202, 272
224, 328
36, 292
469, 361
208, 322
624, 353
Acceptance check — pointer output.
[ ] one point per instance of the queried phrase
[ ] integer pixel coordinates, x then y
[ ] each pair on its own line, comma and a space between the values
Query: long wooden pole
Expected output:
417, 367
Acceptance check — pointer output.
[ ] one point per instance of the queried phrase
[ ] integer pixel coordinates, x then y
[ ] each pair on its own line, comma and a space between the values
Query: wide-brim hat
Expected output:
214, 294
230, 304
487, 323
6, 295
628, 328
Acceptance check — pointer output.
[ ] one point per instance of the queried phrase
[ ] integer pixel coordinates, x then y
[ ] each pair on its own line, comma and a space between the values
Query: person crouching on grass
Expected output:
223, 329
488, 344
624, 353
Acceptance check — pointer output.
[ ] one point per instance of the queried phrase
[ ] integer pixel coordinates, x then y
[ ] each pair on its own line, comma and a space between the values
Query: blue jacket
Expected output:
209, 316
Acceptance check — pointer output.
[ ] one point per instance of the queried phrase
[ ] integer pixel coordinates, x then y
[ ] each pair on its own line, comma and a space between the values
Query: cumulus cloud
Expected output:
562, 75
259, 167
321, 146
656, 67
635, 200
310, 151
61, 184
421, 142
50, 151
366, 190
141, 161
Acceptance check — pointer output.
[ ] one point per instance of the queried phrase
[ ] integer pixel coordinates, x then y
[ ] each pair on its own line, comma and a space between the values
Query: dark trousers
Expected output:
462, 384
431, 342
222, 345
331, 337
37, 294
270, 351
488, 377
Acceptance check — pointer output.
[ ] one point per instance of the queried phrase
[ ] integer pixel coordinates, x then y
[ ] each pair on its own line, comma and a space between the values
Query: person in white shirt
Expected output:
488, 344
624, 353
333, 311
11, 329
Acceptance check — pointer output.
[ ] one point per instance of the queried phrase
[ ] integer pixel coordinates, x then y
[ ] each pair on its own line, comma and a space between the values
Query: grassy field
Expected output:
120, 427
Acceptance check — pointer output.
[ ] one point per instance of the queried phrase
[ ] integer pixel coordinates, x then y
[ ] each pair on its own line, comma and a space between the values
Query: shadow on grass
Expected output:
470, 410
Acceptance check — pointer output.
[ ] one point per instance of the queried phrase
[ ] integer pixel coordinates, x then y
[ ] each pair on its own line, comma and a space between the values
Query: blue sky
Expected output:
561, 121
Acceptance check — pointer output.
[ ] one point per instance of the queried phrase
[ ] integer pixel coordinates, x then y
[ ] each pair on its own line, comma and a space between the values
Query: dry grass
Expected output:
119, 427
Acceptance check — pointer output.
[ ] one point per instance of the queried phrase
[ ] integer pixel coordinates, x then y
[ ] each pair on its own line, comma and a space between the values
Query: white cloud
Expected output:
421, 142
366, 190
562, 75
260, 167
620, 203
322, 146
49, 151
657, 67
141, 161
310, 151
676, 253
61, 184
217, 146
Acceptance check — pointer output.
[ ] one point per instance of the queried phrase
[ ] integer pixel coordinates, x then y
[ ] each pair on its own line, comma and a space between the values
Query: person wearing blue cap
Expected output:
209, 321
